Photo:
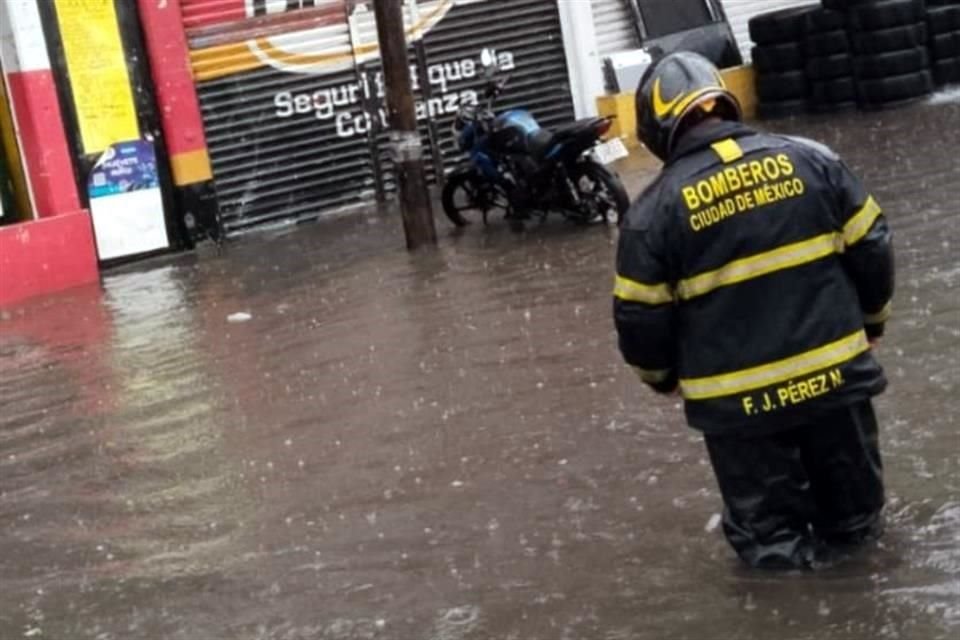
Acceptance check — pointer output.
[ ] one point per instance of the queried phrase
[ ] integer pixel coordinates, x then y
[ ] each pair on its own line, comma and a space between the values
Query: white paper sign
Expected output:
126, 224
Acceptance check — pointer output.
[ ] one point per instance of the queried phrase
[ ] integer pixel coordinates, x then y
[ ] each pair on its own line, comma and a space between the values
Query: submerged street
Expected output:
316, 435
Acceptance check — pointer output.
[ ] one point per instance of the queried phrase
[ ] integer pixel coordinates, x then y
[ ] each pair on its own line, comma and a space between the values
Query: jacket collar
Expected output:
705, 135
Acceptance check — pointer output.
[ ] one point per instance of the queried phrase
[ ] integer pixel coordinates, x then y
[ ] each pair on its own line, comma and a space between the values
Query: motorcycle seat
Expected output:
540, 142
584, 125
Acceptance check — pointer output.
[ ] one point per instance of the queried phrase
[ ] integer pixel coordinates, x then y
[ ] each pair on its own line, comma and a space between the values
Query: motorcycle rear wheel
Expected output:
466, 193
601, 192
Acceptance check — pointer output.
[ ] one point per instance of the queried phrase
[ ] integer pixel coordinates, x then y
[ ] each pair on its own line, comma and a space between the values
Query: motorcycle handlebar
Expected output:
495, 87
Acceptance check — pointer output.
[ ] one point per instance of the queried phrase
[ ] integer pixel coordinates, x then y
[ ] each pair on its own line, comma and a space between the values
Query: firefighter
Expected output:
754, 276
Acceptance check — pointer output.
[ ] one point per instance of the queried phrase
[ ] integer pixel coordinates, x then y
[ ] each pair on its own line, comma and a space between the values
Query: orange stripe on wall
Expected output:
223, 60
191, 167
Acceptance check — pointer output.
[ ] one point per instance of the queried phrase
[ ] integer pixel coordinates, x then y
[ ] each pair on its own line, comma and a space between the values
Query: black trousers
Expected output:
789, 494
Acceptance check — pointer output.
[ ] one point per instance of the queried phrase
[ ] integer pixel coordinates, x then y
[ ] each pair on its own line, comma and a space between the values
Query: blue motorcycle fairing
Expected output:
476, 144
487, 165
518, 118
525, 122
467, 137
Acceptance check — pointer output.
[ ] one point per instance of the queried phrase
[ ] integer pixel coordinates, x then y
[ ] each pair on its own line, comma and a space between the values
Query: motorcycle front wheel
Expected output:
602, 194
466, 196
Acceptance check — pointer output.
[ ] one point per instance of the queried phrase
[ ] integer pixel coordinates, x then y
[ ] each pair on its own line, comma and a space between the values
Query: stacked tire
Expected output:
829, 66
778, 60
943, 25
891, 63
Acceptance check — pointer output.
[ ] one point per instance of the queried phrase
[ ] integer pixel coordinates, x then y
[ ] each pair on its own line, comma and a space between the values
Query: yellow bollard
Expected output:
741, 82
620, 107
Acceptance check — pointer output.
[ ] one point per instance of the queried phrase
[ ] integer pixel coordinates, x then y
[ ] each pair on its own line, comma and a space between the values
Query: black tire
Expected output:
777, 57
885, 14
776, 87
834, 91
880, 91
825, 20
946, 45
833, 107
601, 190
462, 192
841, 5
894, 63
893, 104
946, 71
893, 39
781, 109
826, 43
829, 67
779, 26
943, 19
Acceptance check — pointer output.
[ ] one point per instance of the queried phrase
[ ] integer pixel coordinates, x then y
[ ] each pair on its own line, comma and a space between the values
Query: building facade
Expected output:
161, 124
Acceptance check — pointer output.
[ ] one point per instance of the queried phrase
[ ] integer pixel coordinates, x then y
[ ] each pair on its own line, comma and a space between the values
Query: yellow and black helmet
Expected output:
670, 90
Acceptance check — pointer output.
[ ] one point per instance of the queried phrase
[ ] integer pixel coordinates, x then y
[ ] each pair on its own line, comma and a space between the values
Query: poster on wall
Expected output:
125, 201
98, 72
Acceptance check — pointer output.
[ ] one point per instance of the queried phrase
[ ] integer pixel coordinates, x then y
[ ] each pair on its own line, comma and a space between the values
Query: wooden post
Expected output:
405, 145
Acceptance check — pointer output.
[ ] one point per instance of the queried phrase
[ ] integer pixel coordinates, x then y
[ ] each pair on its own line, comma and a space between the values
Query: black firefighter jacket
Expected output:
751, 273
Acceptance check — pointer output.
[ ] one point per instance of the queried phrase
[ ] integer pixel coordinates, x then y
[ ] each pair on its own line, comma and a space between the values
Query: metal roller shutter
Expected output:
275, 152
740, 11
526, 32
292, 99
613, 22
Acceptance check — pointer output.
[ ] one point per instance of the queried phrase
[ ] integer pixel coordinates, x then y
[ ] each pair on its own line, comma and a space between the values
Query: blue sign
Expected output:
124, 167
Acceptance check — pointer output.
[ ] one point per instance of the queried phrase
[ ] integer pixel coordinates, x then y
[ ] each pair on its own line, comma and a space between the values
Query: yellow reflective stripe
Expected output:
761, 264
862, 220
728, 150
652, 376
661, 108
828, 355
880, 316
633, 291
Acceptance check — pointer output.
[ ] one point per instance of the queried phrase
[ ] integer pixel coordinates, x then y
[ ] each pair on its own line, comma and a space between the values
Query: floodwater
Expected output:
316, 435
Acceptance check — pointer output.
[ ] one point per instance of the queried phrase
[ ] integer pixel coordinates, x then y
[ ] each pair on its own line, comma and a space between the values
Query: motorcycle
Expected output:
517, 166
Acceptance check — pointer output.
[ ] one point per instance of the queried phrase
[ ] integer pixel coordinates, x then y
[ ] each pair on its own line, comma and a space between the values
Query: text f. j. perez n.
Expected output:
791, 393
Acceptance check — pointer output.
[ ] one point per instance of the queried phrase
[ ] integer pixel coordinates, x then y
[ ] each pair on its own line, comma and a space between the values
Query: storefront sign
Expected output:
453, 84
98, 72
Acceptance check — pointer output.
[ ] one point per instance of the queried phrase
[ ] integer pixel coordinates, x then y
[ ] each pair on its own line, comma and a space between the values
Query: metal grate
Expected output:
614, 24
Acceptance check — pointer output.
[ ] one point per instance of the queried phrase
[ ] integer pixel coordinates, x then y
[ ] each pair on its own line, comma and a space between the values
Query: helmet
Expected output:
672, 89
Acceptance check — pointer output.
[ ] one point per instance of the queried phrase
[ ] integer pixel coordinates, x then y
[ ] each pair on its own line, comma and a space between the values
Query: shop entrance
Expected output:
113, 127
